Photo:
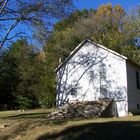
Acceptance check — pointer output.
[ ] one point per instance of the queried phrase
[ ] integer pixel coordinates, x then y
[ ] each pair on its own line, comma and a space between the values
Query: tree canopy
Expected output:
107, 25
21, 72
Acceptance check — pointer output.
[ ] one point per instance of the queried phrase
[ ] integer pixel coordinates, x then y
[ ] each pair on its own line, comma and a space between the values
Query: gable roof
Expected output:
80, 46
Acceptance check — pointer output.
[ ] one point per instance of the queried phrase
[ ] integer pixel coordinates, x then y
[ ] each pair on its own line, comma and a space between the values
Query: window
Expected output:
138, 106
103, 72
103, 91
137, 80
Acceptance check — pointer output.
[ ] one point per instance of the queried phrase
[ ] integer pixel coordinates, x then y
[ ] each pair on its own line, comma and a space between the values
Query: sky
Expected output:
126, 4
87, 4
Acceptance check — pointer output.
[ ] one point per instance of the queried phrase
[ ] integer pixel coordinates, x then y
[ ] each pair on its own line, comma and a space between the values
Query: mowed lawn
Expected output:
34, 125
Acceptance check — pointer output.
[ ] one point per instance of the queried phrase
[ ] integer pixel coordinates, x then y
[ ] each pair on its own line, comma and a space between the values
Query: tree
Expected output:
9, 79
68, 22
36, 14
108, 25
22, 69
112, 27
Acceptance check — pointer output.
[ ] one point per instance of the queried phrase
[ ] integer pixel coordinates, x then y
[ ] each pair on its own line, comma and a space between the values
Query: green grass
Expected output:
26, 114
34, 125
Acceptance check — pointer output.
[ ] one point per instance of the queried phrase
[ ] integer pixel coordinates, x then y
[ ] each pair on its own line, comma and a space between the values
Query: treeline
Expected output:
22, 78
27, 78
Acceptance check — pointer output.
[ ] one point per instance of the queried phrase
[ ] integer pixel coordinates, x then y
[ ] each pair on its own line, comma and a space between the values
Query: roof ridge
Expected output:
81, 45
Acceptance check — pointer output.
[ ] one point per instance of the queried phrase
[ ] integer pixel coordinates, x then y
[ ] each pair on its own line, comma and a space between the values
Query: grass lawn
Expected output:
33, 125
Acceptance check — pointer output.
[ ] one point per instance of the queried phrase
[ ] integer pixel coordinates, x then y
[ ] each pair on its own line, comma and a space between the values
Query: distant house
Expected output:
92, 72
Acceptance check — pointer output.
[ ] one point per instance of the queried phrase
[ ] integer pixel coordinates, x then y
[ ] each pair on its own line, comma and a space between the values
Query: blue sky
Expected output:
87, 4
126, 4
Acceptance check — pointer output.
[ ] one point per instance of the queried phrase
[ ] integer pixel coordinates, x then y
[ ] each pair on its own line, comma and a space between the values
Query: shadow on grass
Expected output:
27, 116
98, 131
4, 137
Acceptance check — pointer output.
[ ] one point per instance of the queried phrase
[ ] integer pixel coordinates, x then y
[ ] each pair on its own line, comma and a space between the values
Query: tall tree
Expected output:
9, 79
22, 69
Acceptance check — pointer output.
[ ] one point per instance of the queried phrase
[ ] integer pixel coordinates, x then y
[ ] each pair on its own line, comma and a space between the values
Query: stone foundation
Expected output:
84, 109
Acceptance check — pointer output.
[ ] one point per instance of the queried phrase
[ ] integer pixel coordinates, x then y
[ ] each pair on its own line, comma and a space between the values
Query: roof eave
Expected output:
71, 54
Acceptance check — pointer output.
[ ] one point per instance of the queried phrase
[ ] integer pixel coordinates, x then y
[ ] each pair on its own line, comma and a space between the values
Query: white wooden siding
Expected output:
93, 73
133, 91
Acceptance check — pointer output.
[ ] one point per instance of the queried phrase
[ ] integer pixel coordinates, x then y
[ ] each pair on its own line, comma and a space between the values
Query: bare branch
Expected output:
34, 13
14, 18
4, 5
8, 32
16, 35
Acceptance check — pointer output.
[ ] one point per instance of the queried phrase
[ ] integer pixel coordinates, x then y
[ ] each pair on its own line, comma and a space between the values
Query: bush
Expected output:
24, 102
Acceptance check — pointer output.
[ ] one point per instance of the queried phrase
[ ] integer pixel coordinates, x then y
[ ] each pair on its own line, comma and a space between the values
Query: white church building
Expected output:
92, 72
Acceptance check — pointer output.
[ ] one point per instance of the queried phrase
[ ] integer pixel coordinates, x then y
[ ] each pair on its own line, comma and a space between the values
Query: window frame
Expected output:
138, 106
137, 80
